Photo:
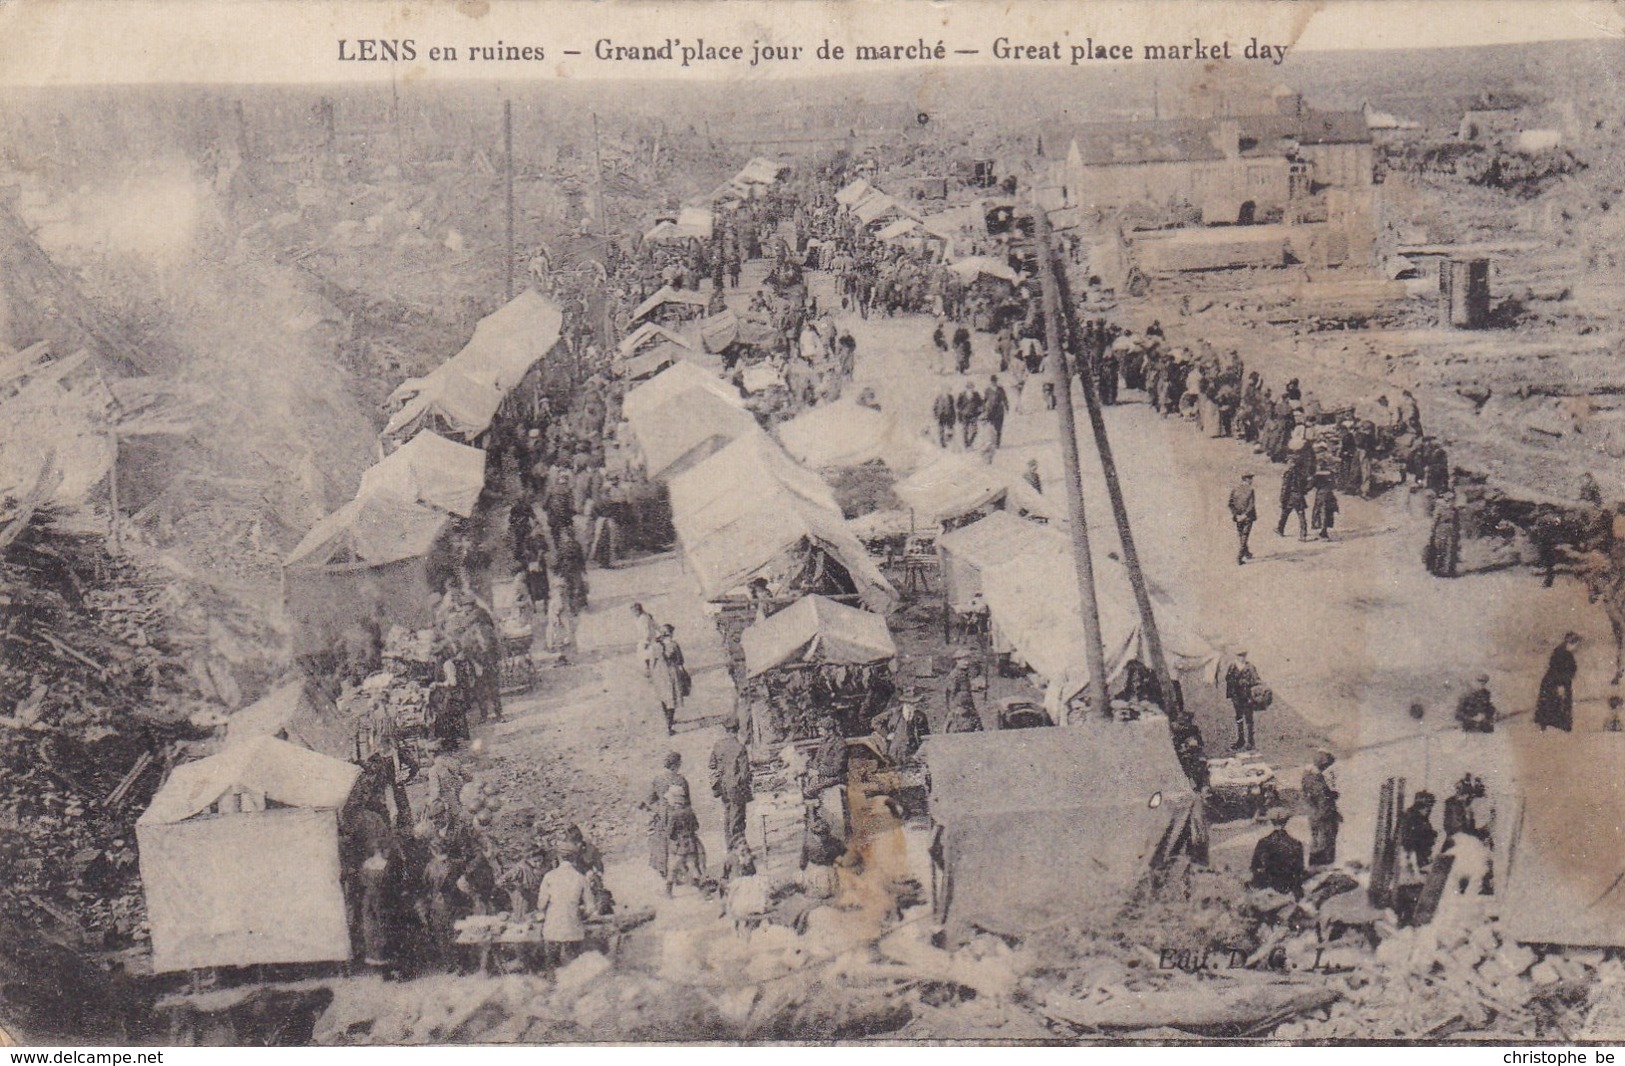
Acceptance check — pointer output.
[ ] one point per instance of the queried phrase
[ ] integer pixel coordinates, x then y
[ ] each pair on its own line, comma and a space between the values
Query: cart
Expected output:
1239, 786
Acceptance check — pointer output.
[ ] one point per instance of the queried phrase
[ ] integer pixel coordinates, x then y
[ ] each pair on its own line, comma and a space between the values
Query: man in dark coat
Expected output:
1475, 711
1554, 708
1321, 799
1295, 495
962, 349
1106, 374
1241, 685
946, 413
731, 781
1278, 859
1416, 833
903, 729
1244, 512
995, 405
828, 766
968, 409
1459, 816
1324, 514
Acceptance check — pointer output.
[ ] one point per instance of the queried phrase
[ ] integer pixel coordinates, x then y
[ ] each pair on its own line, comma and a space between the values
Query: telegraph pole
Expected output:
598, 182
507, 166
1083, 563
1114, 490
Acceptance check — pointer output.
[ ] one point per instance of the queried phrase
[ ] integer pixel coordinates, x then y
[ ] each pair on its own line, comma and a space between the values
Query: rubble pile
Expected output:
589, 1000
101, 682
1419, 984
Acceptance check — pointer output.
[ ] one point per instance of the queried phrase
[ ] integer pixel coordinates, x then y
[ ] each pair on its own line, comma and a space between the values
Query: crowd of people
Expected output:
577, 499
412, 878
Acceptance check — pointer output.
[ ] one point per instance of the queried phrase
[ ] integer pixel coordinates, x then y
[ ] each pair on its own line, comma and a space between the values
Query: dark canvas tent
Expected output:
1565, 854
1039, 824
817, 630
240, 859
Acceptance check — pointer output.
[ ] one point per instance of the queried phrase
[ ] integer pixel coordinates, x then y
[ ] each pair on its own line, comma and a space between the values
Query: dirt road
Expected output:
1349, 632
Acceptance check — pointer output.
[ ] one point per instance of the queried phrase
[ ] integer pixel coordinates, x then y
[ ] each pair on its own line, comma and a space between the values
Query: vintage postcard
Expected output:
969, 522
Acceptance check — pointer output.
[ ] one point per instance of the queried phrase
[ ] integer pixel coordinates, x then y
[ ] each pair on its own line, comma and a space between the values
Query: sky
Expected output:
66, 42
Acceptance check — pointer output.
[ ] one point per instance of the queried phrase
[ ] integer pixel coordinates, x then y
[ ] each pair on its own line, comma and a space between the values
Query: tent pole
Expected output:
1114, 488
1083, 562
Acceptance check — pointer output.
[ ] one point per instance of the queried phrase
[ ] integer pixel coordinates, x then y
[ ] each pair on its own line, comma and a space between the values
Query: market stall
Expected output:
816, 658
240, 860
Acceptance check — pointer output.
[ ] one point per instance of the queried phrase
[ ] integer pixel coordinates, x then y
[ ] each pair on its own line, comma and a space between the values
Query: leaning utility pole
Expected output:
507, 166
1060, 379
1114, 490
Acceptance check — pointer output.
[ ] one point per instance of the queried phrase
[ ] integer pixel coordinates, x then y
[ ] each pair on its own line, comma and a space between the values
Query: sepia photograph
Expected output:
744, 523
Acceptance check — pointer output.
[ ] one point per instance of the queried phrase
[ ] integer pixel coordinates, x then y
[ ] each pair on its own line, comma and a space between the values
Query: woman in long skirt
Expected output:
1554, 709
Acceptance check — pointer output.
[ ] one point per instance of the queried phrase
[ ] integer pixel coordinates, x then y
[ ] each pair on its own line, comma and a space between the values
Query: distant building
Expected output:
1241, 169
1384, 122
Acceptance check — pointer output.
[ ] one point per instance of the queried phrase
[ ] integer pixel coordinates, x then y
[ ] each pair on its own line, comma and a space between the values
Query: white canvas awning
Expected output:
817, 630
846, 433
432, 470
239, 858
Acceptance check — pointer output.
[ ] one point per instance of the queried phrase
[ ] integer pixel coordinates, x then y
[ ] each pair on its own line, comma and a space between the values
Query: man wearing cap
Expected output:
1321, 799
1031, 476
1475, 711
1278, 858
1241, 682
731, 782
903, 728
1244, 512
1295, 493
